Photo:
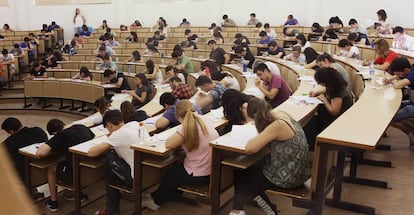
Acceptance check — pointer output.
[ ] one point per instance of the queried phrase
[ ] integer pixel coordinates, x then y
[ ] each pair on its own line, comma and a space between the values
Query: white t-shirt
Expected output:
271, 34
122, 139
405, 42
8, 58
273, 68
78, 21
232, 83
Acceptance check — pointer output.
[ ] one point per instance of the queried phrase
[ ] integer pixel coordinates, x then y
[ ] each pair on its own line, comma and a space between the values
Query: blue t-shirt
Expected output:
83, 33
217, 92
170, 114
267, 41
410, 77
24, 45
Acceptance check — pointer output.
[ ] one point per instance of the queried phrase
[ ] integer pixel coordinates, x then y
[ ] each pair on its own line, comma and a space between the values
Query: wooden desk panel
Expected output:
51, 89
33, 88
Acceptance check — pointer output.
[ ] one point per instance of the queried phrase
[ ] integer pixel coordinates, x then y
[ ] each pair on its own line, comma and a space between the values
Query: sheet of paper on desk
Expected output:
239, 136
254, 91
99, 130
217, 113
31, 149
306, 78
120, 96
152, 120
85, 146
304, 100
163, 136
108, 85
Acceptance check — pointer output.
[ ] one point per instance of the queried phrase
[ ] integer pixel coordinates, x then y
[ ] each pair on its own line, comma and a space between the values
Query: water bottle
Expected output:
117, 59
129, 70
372, 71
244, 64
329, 48
372, 43
141, 134
162, 58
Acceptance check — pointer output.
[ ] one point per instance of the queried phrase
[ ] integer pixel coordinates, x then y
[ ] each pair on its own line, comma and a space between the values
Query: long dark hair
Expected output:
261, 112
149, 64
310, 54
232, 101
332, 79
144, 79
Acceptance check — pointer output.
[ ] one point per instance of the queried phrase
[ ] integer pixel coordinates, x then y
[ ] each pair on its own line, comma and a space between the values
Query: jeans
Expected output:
174, 177
406, 111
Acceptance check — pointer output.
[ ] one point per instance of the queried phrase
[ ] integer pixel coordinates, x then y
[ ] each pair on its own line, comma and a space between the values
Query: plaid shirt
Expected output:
183, 91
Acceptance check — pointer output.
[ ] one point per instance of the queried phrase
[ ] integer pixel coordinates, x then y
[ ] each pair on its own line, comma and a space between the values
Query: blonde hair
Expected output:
185, 109
383, 47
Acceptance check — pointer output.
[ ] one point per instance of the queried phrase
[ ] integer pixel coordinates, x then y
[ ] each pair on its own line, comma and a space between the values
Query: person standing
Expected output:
79, 20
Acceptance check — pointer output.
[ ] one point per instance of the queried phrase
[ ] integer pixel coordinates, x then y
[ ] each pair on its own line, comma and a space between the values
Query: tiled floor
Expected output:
394, 201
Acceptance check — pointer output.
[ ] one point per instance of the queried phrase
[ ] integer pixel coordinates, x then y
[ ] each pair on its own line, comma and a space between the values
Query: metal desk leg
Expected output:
215, 181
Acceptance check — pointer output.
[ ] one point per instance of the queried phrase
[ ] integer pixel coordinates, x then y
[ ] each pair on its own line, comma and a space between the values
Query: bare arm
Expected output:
43, 150
334, 106
174, 141
162, 123
98, 149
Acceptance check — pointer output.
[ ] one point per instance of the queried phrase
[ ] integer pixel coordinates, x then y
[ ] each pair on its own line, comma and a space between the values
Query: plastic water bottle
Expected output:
129, 70
372, 43
162, 58
141, 133
329, 48
244, 64
372, 71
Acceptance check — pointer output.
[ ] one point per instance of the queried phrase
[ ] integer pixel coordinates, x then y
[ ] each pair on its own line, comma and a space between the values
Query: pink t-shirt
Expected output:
198, 161
284, 90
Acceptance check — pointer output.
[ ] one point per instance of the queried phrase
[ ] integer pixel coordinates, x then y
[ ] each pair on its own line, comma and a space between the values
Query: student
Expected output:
29, 47
168, 119
8, 60
104, 25
245, 53
129, 113
296, 55
218, 54
329, 35
291, 21
310, 55
194, 136
253, 20
336, 99
218, 37
358, 38
180, 89
85, 33
107, 64
402, 40
116, 78
402, 77
79, 20
171, 72
382, 26
83, 74
225, 79
62, 140
235, 107
132, 38
274, 50
264, 39
348, 49
135, 58
316, 32
302, 42
121, 136
214, 28
37, 71
142, 94
274, 87
136, 24
183, 63
190, 35
273, 68
20, 136
78, 39
290, 32
109, 32
6, 28
325, 61
384, 56
151, 49
19, 53
101, 105
213, 91
287, 141
354, 27
227, 22
185, 23
336, 24
124, 28
244, 41
151, 70
270, 32
111, 43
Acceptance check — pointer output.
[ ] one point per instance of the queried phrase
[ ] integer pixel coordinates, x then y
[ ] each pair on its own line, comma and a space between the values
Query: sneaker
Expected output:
148, 201
239, 213
52, 206
71, 197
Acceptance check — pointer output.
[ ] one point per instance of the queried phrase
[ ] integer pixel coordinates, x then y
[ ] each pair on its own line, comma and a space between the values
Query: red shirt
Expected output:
388, 59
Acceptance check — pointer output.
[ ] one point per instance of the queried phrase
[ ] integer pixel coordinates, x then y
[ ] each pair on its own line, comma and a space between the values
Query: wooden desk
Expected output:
364, 134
